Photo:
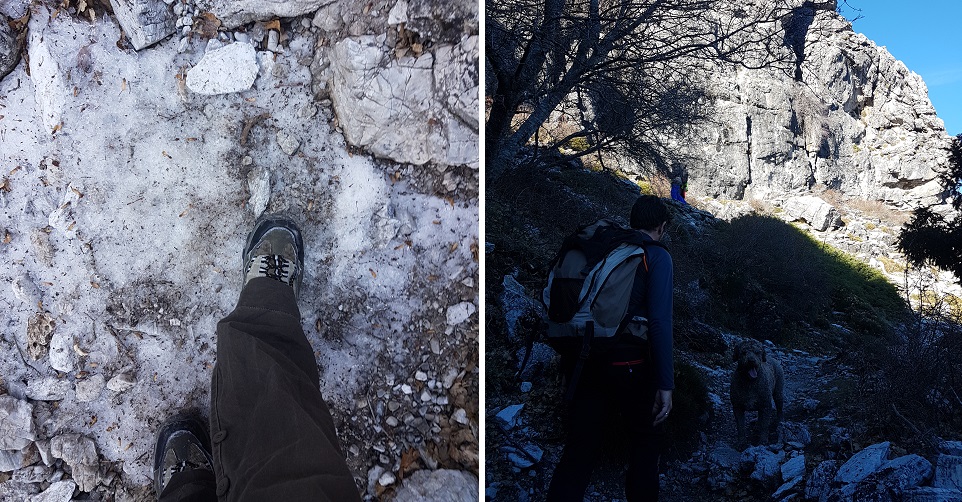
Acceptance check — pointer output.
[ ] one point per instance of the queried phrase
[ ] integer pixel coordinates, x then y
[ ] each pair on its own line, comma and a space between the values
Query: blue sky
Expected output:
925, 36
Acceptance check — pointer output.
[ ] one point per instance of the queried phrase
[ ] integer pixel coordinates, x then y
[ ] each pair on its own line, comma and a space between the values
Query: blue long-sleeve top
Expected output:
651, 297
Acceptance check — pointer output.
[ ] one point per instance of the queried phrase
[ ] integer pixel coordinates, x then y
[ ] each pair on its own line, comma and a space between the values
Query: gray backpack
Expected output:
588, 292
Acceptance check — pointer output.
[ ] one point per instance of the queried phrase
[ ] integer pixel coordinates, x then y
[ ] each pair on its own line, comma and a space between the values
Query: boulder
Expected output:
932, 494
819, 483
431, 100
819, 214
948, 472
863, 463
764, 464
793, 468
902, 473
234, 13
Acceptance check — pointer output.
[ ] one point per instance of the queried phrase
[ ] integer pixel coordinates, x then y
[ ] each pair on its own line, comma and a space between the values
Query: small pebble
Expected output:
405, 388
392, 421
421, 376
425, 396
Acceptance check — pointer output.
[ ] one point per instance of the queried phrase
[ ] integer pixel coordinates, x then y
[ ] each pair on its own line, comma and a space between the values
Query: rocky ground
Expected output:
815, 455
131, 172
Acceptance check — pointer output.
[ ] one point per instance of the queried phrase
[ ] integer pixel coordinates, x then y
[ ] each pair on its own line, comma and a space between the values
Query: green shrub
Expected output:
770, 280
578, 144
644, 186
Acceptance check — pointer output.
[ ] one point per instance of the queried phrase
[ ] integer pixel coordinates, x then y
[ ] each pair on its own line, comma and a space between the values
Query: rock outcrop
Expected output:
851, 118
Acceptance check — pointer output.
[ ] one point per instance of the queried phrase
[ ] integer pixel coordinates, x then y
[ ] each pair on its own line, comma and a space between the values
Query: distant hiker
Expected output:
273, 436
678, 190
624, 363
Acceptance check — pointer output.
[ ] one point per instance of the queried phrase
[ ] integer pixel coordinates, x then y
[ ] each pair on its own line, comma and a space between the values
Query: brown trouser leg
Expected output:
272, 434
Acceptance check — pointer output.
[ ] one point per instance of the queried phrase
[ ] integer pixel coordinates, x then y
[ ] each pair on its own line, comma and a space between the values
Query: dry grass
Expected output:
881, 211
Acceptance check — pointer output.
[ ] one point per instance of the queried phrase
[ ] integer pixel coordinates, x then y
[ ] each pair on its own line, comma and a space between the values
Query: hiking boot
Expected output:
183, 444
275, 250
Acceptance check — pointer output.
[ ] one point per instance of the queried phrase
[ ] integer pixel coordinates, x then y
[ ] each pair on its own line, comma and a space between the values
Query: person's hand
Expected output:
662, 406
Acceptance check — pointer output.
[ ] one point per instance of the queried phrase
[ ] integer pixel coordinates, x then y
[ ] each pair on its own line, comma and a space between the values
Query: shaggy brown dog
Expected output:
757, 382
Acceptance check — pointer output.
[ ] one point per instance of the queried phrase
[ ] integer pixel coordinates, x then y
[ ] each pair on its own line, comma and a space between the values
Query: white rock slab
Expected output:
461, 312
411, 110
50, 87
231, 68
146, 22
16, 423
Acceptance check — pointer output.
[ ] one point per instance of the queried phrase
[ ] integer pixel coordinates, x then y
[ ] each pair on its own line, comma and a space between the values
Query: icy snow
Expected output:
138, 184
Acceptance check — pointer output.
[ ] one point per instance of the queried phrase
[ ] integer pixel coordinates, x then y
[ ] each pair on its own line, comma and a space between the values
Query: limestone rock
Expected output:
50, 85
89, 389
950, 447
425, 100
121, 382
509, 416
11, 45
10, 460
459, 313
948, 472
48, 389
932, 494
853, 118
524, 457
146, 22
62, 356
61, 491
39, 333
231, 68
233, 13
80, 453
443, 485
902, 473
287, 142
819, 214
863, 463
764, 464
794, 468
42, 250
259, 186
16, 424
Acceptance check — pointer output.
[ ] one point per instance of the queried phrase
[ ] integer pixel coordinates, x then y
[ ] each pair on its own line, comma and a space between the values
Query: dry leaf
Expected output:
7, 237
95, 285
78, 192
409, 462
123, 85
206, 25
453, 247
165, 154
57, 128
373, 273
273, 25
5, 185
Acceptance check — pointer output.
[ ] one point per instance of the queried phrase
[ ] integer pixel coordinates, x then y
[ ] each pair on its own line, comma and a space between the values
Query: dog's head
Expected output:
749, 354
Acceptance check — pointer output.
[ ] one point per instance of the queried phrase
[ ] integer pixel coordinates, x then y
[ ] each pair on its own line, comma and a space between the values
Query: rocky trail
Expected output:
133, 161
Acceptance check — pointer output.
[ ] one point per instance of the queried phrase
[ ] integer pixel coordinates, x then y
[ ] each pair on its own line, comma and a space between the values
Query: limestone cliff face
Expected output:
851, 118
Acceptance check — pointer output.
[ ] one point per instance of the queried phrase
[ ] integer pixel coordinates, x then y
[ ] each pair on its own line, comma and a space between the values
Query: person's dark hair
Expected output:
648, 212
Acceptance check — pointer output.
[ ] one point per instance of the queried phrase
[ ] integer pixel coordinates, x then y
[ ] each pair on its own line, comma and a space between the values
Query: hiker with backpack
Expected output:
609, 303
